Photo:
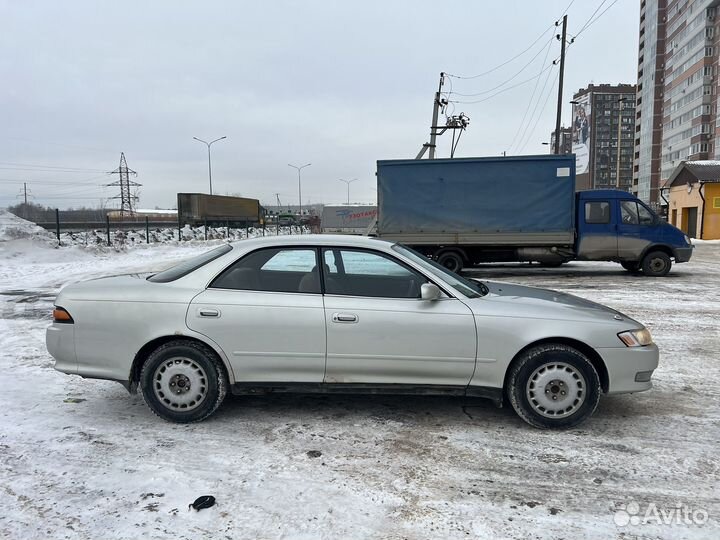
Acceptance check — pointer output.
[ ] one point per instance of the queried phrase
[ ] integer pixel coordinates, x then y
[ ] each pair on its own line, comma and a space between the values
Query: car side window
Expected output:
646, 217
367, 273
330, 263
291, 270
291, 260
597, 212
634, 213
629, 213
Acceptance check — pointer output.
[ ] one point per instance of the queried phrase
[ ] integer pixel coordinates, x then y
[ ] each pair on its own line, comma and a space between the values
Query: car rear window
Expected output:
190, 265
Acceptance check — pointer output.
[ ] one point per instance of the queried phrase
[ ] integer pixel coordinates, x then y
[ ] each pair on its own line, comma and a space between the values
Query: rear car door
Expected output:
266, 312
380, 332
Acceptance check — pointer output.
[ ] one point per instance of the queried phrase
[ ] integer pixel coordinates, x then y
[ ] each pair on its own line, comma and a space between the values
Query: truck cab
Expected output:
615, 226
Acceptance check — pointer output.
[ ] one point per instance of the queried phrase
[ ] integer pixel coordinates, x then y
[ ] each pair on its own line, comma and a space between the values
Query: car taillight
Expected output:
60, 315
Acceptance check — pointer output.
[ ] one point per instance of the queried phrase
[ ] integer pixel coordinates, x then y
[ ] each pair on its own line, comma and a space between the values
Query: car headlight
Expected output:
687, 239
636, 338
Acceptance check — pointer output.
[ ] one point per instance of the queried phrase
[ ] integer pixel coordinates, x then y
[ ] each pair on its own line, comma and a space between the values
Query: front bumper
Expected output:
624, 364
683, 254
60, 343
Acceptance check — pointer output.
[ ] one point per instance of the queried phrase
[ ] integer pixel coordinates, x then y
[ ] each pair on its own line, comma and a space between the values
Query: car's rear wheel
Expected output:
451, 260
183, 381
553, 386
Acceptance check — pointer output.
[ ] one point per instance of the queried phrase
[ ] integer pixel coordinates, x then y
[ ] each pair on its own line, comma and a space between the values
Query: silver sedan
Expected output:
344, 314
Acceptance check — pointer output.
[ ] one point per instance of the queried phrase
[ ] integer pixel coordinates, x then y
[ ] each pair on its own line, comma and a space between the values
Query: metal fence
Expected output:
113, 231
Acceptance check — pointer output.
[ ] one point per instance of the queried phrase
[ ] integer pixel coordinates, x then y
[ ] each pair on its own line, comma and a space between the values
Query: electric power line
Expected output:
44, 168
532, 97
504, 63
504, 89
537, 120
592, 21
511, 78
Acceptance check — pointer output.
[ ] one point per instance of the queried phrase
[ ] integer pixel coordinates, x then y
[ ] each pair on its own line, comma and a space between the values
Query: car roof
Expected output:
605, 194
313, 239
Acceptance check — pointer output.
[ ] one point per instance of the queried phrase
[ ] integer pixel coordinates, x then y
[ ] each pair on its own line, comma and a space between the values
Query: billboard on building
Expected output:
582, 122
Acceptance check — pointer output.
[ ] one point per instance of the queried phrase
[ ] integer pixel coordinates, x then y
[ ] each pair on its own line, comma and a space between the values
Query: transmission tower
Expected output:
126, 197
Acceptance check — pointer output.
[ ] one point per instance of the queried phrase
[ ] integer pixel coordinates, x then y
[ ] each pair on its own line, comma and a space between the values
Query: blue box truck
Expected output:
468, 211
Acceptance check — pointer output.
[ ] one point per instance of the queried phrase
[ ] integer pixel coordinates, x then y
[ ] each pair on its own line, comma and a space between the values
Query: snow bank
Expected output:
698, 241
14, 228
18, 232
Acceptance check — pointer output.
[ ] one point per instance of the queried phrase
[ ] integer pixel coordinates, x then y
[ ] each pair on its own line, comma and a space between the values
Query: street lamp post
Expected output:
348, 182
299, 183
209, 165
619, 138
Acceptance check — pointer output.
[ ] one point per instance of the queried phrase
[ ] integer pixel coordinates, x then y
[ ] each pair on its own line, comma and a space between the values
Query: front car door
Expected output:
266, 312
380, 332
634, 229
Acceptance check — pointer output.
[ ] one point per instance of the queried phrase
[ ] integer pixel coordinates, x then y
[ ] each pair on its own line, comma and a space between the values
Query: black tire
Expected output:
194, 370
656, 264
631, 266
544, 371
553, 264
451, 260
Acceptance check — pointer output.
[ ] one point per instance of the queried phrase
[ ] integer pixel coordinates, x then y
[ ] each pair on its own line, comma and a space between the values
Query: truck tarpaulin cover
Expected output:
527, 193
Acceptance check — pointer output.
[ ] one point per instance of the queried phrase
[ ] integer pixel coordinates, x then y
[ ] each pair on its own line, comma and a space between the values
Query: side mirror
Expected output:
429, 291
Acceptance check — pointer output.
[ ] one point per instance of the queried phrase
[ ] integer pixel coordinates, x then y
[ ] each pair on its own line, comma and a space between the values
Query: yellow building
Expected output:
694, 198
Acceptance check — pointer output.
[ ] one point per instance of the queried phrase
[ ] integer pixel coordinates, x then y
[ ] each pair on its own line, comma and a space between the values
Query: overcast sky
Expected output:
336, 84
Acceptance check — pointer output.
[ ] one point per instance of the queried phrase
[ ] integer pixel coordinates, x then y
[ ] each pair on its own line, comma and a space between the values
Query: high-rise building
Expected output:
676, 109
603, 135
565, 140
648, 120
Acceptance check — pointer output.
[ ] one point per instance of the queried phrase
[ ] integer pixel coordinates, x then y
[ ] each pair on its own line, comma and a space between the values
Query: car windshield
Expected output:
468, 287
190, 265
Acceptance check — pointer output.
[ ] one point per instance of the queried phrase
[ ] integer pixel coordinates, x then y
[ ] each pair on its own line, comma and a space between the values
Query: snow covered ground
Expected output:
83, 459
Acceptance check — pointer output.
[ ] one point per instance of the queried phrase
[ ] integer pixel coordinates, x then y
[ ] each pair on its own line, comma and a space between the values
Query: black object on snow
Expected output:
206, 501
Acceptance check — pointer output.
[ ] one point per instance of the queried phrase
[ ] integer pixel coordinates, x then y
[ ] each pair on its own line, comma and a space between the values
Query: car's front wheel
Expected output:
553, 386
183, 381
656, 264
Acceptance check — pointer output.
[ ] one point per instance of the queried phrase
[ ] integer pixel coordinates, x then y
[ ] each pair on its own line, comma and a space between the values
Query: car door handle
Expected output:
209, 312
344, 317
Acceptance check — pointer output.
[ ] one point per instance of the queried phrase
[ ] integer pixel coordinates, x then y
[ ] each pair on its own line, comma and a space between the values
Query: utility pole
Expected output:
300, 183
126, 197
348, 182
436, 111
621, 101
25, 190
433, 126
560, 83
455, 122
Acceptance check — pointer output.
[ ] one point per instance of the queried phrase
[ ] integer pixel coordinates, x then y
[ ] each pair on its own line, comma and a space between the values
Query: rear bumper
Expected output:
683, 254
626, 365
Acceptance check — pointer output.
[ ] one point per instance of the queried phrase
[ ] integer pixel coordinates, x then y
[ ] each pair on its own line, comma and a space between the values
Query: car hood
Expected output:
532, 302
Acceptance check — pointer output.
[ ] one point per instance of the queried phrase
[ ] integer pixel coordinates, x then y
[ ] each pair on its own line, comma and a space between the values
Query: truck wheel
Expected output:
631, 266
451, 260
656, 264
553, 386
183, 381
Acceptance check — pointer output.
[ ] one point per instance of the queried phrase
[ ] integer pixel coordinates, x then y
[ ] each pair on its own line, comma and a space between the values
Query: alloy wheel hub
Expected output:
556, 390
180, 383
